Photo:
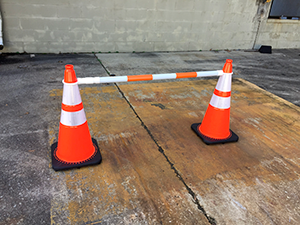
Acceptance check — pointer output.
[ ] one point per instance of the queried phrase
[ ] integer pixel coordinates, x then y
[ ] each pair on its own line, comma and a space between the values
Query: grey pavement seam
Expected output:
210, 219
161, 150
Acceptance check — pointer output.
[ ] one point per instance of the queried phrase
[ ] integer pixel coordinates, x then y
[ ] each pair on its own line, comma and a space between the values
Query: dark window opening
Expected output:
285, 9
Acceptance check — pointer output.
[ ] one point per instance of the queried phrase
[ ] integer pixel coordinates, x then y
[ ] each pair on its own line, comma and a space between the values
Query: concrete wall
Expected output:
280, 33
55, 26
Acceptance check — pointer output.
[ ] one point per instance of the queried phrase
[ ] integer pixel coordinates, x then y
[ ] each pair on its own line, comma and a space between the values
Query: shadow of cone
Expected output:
215, 125
75, 147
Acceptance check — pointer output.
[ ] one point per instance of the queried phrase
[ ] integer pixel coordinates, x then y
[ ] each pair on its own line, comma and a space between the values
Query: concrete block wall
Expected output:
41, 26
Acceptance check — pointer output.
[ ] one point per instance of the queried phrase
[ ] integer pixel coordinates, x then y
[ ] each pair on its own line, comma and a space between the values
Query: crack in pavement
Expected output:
161, 150
210, 219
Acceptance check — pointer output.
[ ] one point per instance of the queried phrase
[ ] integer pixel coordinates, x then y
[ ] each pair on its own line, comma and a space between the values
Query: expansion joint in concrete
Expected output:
161, 150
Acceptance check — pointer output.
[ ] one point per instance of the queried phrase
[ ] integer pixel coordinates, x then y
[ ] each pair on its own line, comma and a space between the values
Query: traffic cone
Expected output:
215, 125
75, 147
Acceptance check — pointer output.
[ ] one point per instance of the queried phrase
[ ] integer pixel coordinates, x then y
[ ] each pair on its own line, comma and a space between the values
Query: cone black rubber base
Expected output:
209, 141
60, 165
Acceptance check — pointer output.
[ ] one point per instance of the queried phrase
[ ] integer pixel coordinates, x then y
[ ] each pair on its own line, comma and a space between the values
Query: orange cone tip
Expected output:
70, 76
228, 66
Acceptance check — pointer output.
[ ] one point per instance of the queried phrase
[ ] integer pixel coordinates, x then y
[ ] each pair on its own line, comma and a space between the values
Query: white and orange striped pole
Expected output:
215, 125
75, 147
147, 77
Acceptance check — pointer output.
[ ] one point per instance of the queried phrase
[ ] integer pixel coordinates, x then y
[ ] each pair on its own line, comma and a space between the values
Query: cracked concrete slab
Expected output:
248, 182
134, 184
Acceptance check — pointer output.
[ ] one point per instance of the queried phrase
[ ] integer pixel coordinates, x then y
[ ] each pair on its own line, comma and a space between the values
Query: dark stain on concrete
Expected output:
159, 105
145, 54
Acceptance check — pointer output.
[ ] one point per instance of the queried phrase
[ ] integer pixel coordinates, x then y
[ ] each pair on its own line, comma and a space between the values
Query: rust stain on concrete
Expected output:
245, 181
134, 184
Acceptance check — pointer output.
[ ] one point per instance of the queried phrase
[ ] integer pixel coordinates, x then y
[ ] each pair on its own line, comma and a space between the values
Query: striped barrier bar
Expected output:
146, 77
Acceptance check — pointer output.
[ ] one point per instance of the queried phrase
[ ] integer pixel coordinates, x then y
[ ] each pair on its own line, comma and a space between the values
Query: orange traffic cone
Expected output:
75, 147
215, 125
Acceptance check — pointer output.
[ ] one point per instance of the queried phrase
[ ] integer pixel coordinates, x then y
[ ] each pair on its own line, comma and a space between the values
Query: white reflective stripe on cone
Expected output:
220, 102
164, 76
224, 82
72, 118
71, 94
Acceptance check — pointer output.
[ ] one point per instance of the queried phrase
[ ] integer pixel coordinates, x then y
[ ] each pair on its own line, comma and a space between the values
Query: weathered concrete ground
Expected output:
155, 170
